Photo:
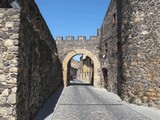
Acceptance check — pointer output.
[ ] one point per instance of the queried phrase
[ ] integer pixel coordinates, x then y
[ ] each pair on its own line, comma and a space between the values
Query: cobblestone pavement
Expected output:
82, 102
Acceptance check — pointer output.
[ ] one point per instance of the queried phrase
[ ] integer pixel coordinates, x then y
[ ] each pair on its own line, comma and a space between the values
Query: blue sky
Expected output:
73, 17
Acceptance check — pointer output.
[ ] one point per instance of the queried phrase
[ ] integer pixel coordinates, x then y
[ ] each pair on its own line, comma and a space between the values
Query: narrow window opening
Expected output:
106, 47
114, 19
119, 47
105, 76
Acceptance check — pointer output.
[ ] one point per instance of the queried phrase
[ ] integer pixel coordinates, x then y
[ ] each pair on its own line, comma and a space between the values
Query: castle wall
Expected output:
131, 55
9, 34
30, 70
140, 27
108, 47
69, 44
70, 47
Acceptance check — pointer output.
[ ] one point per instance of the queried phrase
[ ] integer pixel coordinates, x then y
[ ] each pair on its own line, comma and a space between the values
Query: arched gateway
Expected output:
84, 52
69, 48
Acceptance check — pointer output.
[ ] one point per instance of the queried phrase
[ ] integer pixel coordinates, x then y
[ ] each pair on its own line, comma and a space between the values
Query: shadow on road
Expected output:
49, 106
79, 82
84, 84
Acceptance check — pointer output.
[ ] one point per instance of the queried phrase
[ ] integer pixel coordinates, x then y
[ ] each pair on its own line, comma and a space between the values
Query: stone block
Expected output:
2, 77
3, 99
13, 63
8, 43
13, 69
15, 16
14, 89
151, 90
12, 81
14, 36
137, 19
144, 32
145, 99
153, 94
153, 98
4, 35
13, 49
14, 75
3, 83
1, 66
4, 29
1, 71
9, 111
5, 93
9, 24
3, 111
9, 56
12, 98
9, 118
137, 101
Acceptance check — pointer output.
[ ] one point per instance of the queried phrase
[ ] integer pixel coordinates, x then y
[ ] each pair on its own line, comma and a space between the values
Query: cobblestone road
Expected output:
82, 102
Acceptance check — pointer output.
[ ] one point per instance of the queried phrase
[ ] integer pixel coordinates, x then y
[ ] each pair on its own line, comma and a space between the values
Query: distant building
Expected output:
85, 71
74, 65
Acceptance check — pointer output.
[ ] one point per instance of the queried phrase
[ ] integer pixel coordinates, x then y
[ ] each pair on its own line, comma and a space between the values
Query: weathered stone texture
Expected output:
40, 71
30, 70
65, 46
108, 47
8, 56
141, 52
132, 56
70, 47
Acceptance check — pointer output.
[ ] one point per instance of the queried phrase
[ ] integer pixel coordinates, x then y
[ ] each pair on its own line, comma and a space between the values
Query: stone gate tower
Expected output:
130, 43
70, 47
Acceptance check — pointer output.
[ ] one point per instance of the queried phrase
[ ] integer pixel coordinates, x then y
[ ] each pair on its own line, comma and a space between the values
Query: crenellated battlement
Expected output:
79, 38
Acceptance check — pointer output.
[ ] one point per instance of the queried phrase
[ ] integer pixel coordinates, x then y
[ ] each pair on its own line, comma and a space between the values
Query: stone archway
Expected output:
93, 57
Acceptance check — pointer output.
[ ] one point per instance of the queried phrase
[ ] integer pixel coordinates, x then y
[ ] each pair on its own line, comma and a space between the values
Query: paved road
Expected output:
82, 102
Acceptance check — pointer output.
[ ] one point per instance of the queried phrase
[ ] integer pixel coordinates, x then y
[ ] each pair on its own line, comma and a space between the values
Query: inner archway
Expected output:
66, 60
80, 70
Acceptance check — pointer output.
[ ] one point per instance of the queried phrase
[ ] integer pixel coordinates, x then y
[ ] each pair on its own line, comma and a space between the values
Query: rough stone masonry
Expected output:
30, 70
70, 47
130, 42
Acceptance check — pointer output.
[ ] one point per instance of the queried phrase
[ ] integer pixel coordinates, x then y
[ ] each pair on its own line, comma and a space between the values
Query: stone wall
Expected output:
9, 34
39, 70
131, 31
69, 44
70, 47
108, 47
30, 70
140, 28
